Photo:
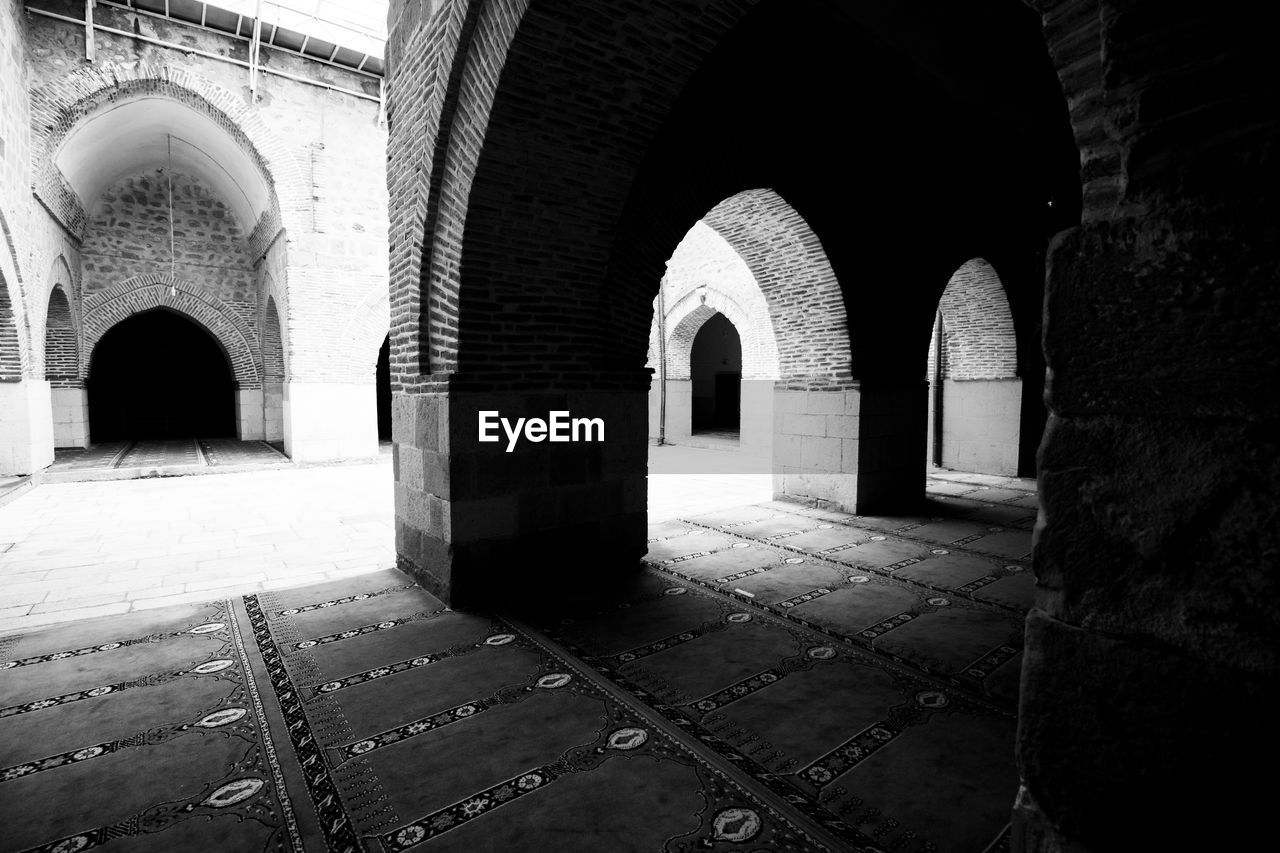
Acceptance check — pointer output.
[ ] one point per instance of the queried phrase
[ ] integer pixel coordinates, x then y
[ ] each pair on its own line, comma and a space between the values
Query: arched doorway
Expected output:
715, 367
975, 394
159, 375
383, 390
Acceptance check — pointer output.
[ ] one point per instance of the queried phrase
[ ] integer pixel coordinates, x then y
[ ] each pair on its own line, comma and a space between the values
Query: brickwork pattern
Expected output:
104, 309
10, 346
61, 349
445, 64
273, 367
805, 302
423, 46
978, 333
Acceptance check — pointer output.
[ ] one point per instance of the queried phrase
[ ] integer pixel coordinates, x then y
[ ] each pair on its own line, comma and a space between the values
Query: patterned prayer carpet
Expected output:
777, 678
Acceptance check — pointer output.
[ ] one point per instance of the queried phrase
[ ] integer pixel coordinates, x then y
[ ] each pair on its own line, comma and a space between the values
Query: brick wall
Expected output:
273, 370
978, 332
805, 302
61, 350
14, 194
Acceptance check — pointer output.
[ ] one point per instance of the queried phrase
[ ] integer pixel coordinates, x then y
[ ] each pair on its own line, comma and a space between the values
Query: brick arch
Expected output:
806, 306
690, 313
61, 342
105, 309
60, 105
273, 356
978, 332
10, 296
472, 45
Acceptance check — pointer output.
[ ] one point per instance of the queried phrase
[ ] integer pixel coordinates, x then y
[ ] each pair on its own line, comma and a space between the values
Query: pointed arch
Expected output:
978, 333
105, 309
11, 360
806, 306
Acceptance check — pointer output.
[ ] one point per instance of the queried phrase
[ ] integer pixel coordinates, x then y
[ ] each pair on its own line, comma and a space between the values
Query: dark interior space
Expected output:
158, 375
383, 383
715, 365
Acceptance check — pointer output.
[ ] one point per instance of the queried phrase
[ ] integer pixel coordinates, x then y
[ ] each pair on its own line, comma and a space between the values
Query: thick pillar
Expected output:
326, 421
70, 417
815, 445
474, 518
1152, 661
857, 448
26, 426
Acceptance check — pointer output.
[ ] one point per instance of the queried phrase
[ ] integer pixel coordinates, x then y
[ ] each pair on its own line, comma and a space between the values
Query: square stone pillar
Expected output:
484, 521
856, 448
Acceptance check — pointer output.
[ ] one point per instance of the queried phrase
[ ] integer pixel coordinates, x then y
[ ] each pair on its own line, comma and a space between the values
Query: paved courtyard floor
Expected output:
79, 550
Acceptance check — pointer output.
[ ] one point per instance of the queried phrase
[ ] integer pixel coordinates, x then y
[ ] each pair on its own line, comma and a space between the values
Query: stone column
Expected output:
472, 518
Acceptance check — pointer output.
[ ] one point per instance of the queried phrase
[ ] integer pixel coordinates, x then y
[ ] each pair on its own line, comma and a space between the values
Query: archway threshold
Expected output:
131, 460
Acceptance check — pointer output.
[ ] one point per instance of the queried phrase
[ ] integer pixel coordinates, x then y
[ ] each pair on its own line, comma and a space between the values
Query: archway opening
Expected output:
715, 367
158, 375
975, 393
383, 390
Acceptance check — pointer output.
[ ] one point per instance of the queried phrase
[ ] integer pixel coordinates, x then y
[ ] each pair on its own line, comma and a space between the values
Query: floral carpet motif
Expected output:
776, 678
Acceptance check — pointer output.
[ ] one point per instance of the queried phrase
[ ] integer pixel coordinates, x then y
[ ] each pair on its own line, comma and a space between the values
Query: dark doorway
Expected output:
159, 375
383, 381
715, 367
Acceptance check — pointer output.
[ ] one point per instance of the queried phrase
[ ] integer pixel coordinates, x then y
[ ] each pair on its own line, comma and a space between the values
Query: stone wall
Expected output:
1152, 655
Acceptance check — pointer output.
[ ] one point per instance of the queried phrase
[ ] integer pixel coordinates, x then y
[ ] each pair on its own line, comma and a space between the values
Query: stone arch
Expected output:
62, 104
806, 306
978, 331
142, 293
